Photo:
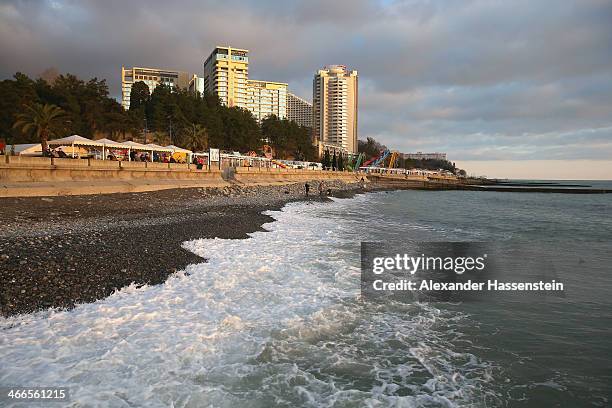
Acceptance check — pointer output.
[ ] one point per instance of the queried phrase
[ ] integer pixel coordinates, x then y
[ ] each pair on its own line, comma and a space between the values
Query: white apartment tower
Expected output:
226, 72
335, 102
299, 110
196, 84
265, 98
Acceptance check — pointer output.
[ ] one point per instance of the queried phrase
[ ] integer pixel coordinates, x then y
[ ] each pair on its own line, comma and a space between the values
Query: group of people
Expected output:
143, 157
159, 158
57, 153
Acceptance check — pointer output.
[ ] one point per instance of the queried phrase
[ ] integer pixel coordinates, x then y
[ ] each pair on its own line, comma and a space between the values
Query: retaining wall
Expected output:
20, 169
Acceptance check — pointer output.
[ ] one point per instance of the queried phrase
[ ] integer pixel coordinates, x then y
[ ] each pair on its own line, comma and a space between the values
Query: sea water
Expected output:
277, 319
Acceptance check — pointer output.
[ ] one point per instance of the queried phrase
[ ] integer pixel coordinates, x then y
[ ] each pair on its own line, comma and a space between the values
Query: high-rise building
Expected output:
266, 98
226, 72
334, 100
196, 84
299, 110
152, 77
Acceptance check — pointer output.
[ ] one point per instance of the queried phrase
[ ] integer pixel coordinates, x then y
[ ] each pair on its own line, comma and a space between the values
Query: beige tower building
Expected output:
226, 72
266, 98
299, 110
335, 103
152, 77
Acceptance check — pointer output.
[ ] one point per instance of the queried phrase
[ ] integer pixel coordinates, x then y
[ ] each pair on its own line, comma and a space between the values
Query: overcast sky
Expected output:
481, 80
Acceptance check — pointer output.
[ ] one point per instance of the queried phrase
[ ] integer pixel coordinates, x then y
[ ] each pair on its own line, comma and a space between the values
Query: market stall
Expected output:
180, 155
75, 142
138, 151
159, 153
114, 150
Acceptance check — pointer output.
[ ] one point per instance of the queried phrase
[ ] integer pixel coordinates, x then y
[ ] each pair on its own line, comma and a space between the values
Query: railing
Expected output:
27, 161
96, 164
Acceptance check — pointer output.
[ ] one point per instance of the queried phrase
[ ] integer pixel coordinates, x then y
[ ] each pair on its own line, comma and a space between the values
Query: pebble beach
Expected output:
57, 252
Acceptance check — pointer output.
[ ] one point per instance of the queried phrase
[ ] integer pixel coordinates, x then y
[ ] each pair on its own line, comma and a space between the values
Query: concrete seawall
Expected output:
41, 176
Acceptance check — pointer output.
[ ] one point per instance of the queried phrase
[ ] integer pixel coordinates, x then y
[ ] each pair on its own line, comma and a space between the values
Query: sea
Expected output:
278, 320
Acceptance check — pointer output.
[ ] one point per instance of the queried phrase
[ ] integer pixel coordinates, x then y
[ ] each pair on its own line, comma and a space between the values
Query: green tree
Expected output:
429, 164
334, 163
158, 108
13, 95
326, 160
195, 137
44, 121
290, 140
371, 148
89, 110
139, 96
240, 129
340, 162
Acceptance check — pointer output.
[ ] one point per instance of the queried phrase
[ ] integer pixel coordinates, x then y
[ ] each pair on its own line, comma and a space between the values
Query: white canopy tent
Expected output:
107, 143
74, 140
138, 146
157, 148
113, 144
178, 149
26, 149
150, 147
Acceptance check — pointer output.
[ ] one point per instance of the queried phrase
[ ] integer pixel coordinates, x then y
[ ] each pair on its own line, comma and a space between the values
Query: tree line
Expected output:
34, 110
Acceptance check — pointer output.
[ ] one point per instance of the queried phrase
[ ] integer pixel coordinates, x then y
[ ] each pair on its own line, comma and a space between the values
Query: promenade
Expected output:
41, 176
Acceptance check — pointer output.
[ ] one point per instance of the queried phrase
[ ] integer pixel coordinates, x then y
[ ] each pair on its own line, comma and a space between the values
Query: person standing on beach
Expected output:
307, 188
321, 188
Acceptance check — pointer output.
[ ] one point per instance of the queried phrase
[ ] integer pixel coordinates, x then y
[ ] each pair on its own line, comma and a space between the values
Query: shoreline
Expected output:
58, 252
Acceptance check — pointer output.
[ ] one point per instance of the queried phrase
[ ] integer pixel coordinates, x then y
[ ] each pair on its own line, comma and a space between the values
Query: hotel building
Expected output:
299, 110
152, 77
424, 156
196, 84
334, 100
226, 72
266, 98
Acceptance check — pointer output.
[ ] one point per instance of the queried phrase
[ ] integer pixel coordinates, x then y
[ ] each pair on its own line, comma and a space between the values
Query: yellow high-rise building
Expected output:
226, 72
265, 98
335, 103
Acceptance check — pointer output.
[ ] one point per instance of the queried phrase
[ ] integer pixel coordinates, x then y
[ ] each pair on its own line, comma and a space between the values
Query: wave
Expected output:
273, 320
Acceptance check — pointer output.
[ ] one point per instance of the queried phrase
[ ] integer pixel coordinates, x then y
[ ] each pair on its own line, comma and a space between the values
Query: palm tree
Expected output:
159, 138
196, 137
43, 121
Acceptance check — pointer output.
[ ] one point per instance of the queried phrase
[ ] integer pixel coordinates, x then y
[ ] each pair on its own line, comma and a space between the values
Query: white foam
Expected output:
271, 320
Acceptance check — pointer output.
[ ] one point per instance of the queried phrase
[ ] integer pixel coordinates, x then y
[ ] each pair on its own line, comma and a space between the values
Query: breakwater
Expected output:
429, 183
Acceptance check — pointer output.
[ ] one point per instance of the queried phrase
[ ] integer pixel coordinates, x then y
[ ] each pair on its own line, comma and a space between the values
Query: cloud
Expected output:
478, 79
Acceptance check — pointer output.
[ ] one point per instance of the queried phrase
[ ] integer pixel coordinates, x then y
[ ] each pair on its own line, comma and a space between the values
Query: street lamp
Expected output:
145, 130
170, 119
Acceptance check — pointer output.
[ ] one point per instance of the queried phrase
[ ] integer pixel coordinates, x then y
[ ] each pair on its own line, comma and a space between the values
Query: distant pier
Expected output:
423, 183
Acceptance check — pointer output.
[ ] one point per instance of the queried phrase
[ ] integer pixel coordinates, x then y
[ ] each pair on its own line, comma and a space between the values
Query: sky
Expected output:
527, 82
